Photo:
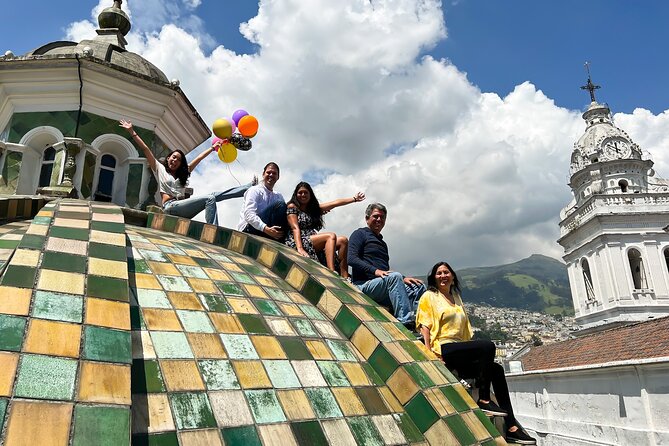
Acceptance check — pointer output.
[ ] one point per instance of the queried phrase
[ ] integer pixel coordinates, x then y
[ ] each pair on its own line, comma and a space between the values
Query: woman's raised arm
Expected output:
201, 156
142, 145
327, 207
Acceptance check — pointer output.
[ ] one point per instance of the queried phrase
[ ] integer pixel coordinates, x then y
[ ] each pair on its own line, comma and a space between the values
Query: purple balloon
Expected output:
239, 114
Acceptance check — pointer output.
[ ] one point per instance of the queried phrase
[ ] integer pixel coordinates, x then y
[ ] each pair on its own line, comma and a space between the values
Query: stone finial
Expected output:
115, 18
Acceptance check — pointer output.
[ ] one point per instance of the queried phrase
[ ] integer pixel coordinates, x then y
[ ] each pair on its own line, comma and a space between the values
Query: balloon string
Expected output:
232, 174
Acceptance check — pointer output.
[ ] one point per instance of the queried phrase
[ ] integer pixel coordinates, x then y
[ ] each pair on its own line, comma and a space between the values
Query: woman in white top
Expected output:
172, 176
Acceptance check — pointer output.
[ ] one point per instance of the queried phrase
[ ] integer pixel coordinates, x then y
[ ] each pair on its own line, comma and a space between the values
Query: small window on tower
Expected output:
623, 185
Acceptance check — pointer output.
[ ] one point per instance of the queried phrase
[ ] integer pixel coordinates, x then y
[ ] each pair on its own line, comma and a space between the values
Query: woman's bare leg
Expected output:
325, 241
342, 252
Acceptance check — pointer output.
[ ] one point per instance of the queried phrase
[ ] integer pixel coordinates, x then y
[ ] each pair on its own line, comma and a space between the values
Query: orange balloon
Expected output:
227, 153
248, 126
222, 128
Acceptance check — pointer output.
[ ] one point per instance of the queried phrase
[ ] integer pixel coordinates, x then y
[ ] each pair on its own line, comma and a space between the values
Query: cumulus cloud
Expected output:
347, 93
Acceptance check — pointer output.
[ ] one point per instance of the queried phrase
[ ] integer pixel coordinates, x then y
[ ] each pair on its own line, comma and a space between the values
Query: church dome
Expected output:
176, 332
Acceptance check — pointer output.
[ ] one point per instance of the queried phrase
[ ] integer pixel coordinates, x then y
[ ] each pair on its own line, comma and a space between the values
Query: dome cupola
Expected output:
115, 17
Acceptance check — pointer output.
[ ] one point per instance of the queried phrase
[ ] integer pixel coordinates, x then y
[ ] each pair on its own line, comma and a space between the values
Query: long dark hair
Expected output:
182, 172
432, 279
313, 206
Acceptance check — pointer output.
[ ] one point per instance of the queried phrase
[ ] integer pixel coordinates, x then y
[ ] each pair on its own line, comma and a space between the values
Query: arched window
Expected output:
46, 172
623, 185
106, 178
637, 269
666, 258
587, 280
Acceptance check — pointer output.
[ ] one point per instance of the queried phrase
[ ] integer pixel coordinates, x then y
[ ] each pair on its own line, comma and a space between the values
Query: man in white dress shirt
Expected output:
264, 211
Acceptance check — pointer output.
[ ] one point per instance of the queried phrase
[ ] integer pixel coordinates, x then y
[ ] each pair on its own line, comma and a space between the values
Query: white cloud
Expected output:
472, 177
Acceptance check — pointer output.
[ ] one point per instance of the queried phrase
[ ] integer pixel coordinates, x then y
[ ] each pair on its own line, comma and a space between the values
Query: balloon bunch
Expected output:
234, 134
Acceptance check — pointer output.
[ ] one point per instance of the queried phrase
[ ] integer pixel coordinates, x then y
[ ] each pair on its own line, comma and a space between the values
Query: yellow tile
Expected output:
329, 304
104, 383
393, 331
182, 226
107, 313
109, 218
70, 223
226, 323
45, 213
206, 345
298, 298
216, 274
152, 412
196, 253
107, 238
164, 268
390, 399
157, 222
255, 291
142, 346
355, 374
236, 242
242, 260
290, 309
25, 257
8, 363
184, 301
202, 285
295, 404
53, 338
268, 347
232, 267
242, 306
37, 230
38, 423
439, 402
475, 426
296, 277
181, 375
70, 283
251, 375
265, 281
437, 377
158, 319
267, 256
145, 281
15, 300
327, 283
107, 268
398, 352
364, 341
277, 435
319, 350
182, 260
403, 387
348, 401
439, 433
208, 437
465, 396
208, 234
360, 311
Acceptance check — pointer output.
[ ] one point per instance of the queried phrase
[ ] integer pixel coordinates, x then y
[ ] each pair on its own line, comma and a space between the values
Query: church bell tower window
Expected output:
623, 185
587, 280
637, 269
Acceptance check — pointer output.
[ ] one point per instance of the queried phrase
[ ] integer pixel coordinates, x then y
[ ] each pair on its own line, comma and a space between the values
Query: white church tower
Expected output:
615, 230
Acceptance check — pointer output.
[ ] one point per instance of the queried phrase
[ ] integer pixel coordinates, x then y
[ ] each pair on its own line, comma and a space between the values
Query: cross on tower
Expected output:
590, 86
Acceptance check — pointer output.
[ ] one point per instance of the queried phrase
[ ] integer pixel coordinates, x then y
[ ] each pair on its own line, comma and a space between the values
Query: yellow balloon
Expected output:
222, 128
227, 153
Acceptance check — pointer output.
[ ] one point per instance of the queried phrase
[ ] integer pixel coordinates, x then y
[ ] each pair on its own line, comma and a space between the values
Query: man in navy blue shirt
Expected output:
369, 261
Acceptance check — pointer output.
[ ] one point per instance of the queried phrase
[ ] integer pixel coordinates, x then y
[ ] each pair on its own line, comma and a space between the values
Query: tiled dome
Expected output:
182, 333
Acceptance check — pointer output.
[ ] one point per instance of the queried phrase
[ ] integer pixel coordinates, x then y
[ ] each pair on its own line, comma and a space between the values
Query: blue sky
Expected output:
460, 116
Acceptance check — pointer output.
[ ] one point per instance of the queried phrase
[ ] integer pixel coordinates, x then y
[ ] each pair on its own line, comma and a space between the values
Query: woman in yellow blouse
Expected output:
446, 331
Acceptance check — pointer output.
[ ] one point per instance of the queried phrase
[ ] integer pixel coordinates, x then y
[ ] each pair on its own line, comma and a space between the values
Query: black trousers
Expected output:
476, 360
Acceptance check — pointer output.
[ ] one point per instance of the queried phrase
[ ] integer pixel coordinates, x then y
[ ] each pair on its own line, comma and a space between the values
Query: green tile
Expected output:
421, 412
344, 295
69, 233
104, 344
242, 278
195, 321
153, 255
58, 306
9, 244
33, 241
313, 291
454, 397
3, 409
379, 332
309, 433
333, 374
239, 346
411, 432
117, 228
241, 436
489, 443
413, 350
373, 376
214, 302
347, 322
192, 410
174, 283
107, 288
279, 295
267, 307
45, 377
102, 426
295, 348
11, 332
265, 406
365, 432
253, 270
136, 320
19, 276
42, 221
74, 215
152, 298
341, 350
195, 229
63, 262
304, 328
171, 345
372, 401
252, 248
460, 429
312, 312
218, 374
447, 373
223, 236
419, 375
169, 223
138, 266
281, 374
146, 377
108, 252
206, 263
324, 403
192, 271
282, 265
374, 311
483, 418
228, 288
254, 324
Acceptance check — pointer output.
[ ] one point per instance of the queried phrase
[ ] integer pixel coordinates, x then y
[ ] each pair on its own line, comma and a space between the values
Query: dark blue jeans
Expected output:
273, 215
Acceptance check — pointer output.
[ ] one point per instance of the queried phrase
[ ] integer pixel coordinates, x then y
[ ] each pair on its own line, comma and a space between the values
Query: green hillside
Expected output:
537, 283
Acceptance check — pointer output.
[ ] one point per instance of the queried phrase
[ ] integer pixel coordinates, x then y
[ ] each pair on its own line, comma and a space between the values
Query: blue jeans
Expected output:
190, 207
391, 289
